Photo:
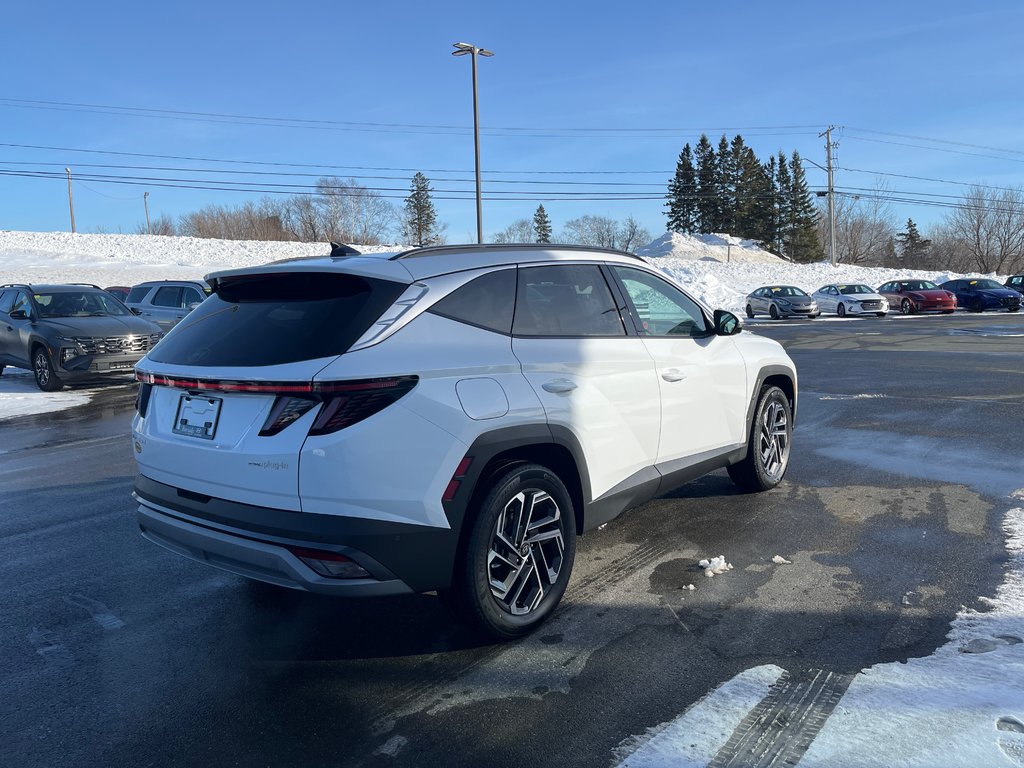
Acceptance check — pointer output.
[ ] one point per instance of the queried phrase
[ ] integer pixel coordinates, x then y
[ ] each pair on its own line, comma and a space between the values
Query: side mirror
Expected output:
19, 314
192, 306
135, 310
726, 323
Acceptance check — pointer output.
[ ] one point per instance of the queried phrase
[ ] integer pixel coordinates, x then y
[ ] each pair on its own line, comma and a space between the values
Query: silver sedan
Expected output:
781, 301
851, 299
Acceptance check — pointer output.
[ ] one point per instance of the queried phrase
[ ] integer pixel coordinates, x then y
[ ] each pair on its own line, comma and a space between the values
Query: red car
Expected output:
913, 296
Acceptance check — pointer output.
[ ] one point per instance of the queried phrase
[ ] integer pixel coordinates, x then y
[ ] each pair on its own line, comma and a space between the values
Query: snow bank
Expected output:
62, 257
696, 261
717, 247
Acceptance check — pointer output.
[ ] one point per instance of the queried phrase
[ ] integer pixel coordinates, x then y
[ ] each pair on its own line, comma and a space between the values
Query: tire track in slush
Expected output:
779, 730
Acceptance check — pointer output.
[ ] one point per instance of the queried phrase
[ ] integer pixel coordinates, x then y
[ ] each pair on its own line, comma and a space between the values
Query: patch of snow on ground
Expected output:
956, 707
19, 396
693, 740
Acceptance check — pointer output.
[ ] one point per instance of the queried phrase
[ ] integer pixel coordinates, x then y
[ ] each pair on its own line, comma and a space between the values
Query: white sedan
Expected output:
851, 299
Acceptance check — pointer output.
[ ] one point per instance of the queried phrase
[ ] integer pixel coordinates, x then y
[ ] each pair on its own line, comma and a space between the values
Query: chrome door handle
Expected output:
558, 386
672, 375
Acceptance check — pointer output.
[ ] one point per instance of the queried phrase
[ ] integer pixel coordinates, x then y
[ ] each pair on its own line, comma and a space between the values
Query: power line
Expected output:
927, 178
936, 141
936, 149
362, 125
269, 163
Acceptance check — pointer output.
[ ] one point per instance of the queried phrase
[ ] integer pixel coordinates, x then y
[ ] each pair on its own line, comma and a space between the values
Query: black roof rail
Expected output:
340, 251
16, 285
89, 285
434, 250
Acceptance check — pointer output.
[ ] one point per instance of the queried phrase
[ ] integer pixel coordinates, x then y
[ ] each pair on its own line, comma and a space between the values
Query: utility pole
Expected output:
71, 200
145, 203
831, 195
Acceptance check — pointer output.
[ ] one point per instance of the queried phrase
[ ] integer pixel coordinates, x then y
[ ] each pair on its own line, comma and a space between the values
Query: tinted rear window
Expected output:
565, 300
277, 318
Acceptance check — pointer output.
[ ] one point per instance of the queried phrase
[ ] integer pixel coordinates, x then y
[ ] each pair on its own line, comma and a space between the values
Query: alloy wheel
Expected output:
526, 552
42, 369
773, 442
906, 307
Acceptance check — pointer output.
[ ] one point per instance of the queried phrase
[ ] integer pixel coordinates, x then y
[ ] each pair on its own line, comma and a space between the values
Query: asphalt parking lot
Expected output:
117, 653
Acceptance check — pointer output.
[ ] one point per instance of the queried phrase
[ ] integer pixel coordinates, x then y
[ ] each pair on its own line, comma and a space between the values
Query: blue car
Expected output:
980, 293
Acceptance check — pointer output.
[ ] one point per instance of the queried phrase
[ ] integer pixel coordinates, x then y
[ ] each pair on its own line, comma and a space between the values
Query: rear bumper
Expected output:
254, 542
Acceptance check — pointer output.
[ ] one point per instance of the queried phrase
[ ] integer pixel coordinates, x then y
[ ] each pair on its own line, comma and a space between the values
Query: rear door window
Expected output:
271, 319
190, 296
565, 300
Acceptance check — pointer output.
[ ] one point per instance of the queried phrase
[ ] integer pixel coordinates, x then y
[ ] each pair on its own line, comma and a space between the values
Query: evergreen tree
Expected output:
726, 187
541, 225
682, 195
419, 225
913, 248
708, 208
803, 235
783, 209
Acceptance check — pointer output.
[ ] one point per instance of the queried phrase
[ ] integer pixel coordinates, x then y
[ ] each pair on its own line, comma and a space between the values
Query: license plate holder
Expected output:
197, 416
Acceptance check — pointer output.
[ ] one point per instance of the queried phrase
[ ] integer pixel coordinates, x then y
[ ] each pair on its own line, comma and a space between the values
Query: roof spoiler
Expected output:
341, 251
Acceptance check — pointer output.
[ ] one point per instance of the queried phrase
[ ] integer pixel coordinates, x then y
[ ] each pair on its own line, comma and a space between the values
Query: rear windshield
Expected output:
277, 318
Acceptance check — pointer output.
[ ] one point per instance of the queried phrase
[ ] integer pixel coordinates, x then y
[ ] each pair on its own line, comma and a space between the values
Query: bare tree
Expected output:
519, 231
351, 213
597, 231
865, 227
162, 225
632, 236
989, 226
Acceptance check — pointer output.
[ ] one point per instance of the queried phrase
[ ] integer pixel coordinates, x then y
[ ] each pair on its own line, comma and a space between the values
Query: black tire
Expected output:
948, 311
750, 311
1009, 309
841, 309
977, 305
774, 312
756, 472
1, 370
42, 369
880, 314
472, 595
906, 307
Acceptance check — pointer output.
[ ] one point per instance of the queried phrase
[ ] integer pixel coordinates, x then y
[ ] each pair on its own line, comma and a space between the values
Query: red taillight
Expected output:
349, 402
344, 402
457, 477
286, 410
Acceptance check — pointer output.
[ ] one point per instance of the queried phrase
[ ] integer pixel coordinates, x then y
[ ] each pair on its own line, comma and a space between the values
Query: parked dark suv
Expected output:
65, 332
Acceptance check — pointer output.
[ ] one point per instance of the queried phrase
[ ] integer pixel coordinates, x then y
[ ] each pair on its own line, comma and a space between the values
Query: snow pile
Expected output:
715, 565
62, 257
716, 248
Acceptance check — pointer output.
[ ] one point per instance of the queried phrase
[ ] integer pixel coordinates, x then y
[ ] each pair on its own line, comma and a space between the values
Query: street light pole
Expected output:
461, 49
145, 203
71, 201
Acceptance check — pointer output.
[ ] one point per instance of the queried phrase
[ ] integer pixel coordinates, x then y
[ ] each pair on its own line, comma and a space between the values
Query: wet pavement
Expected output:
117, 653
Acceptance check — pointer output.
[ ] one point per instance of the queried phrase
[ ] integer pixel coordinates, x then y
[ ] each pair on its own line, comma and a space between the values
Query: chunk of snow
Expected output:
715, 565
780, 560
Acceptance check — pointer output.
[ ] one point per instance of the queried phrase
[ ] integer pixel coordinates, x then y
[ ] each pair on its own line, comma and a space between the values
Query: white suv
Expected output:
444, 419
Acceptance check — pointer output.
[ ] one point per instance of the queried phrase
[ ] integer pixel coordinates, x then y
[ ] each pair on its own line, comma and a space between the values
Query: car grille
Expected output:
1009, 301
871, 304
116, 345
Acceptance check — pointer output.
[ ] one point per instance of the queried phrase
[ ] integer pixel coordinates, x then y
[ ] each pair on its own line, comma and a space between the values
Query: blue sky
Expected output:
939, 70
